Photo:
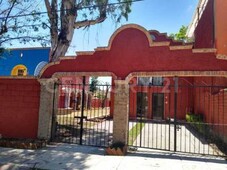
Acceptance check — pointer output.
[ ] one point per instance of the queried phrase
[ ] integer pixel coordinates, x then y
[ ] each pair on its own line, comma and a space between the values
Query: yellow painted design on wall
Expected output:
19, 70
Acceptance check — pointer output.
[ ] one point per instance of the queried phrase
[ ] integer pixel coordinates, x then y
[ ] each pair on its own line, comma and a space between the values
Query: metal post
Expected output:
142, 110
175, 112
82, 110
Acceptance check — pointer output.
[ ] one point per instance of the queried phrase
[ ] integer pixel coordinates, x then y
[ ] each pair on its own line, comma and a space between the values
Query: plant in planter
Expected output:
117, 148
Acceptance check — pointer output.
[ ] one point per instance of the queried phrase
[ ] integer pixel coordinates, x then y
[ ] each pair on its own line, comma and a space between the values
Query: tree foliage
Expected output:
94, 84
20, 20
181, 35
79, 14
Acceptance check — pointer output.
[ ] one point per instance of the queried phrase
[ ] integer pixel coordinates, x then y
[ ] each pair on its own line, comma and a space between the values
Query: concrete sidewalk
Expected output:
69, 156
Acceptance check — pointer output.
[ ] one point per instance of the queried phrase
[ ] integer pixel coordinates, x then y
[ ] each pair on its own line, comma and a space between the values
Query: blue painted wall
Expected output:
30, 57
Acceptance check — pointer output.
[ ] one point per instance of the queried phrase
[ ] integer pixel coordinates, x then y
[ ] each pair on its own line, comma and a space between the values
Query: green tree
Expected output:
20, 21
94, 84
79, 14
181, 35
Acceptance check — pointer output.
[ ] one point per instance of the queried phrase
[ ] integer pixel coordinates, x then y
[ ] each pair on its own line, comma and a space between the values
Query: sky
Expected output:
166, 16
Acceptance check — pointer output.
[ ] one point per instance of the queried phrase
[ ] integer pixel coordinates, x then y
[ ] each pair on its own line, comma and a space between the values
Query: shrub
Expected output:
197, 123
190, 117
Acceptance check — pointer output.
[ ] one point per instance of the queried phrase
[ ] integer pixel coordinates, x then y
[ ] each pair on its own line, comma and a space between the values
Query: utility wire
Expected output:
86, 7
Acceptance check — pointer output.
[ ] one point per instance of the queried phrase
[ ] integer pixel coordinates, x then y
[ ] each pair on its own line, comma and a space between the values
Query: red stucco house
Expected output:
156, 83
141, 56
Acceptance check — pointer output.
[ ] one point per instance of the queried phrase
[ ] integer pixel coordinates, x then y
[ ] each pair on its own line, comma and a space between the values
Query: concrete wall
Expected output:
19, 98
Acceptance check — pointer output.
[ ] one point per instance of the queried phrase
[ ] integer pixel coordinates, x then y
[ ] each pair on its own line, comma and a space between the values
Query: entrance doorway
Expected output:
82, 114
158, 106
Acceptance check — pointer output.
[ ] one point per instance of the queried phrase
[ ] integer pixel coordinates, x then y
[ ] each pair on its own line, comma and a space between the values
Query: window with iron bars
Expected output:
150, 81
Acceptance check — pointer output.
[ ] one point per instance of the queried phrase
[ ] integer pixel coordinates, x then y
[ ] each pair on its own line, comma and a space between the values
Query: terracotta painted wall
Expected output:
211, 29
130, 52
184, 96
19, 99
221, 26
212, 103
204, 32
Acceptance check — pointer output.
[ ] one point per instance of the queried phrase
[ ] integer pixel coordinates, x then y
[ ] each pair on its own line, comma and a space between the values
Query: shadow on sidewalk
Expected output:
178, 156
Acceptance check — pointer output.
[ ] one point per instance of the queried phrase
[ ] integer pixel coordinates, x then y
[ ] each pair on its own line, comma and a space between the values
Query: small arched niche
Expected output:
19, 70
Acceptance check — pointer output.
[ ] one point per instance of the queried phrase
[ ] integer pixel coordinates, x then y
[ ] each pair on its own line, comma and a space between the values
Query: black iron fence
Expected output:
83, 114
183, 117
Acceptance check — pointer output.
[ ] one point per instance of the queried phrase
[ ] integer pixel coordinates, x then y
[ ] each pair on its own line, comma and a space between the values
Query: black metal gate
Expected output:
193, 120
82, 115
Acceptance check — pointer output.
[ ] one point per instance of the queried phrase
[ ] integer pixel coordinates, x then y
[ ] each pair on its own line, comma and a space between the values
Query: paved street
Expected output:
66, 156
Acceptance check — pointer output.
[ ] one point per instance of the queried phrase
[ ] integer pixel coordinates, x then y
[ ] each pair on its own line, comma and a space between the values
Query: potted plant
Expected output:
117, 148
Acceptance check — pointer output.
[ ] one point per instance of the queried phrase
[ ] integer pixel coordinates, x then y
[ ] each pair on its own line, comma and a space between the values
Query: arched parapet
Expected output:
128, 27
131, 49
46, 67
131, 27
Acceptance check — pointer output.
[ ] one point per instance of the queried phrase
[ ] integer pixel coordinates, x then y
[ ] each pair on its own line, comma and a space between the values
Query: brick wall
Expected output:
19, 107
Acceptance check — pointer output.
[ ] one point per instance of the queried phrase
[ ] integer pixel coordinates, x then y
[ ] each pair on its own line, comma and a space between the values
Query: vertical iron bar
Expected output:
213, 118
141, 110
203, 118
144, 119
175, 112
153, 124
218, 119
102, 107
53, 129
68, 123
148, 134
169, 112
208, 116
74, 112
199, 123
183, 91
105, 116
82, 110
223, 114
63, 117
156, 124
188, 124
